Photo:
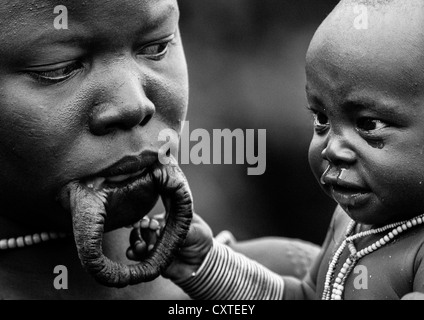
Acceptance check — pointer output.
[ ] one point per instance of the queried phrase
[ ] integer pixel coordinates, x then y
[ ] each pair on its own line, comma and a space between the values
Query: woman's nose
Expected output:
338, 151
124, 107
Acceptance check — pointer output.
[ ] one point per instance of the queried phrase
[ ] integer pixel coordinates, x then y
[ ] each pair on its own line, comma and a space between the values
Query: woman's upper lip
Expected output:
130, 164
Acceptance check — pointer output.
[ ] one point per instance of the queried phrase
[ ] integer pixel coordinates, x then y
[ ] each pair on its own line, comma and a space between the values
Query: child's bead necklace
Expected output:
339, 283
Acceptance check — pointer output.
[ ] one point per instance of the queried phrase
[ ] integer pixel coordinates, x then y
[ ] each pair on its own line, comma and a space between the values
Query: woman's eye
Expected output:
369, 124
321, 122
157, 51
56, 75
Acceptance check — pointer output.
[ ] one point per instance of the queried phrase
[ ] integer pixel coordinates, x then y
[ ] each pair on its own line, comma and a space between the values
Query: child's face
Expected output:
75, 101
366, 90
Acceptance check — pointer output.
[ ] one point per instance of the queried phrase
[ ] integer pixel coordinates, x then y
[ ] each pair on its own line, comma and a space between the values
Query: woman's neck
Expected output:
12, 229
21, 222
29, 272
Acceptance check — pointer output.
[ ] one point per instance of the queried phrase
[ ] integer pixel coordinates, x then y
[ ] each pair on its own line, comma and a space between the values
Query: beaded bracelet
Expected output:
227, 275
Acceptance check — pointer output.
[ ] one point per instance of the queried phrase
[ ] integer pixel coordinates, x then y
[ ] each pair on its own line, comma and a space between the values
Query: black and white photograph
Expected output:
212, 154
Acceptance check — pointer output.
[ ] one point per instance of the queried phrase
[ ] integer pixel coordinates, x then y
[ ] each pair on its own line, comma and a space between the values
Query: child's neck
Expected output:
360, 227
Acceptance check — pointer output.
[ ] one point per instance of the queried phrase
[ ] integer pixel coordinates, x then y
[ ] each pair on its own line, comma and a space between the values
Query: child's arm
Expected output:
206, 269
418, 285
228, 275
307, 288
284, 256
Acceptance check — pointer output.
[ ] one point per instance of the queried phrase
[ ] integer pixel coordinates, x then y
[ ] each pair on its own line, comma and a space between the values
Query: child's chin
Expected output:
368, 215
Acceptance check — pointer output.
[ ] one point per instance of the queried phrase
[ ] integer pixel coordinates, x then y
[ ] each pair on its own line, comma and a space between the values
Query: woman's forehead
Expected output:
16, 15
23, 24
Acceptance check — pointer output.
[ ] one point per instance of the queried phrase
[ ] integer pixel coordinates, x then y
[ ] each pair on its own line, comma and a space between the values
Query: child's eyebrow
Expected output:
314, 99
382, 107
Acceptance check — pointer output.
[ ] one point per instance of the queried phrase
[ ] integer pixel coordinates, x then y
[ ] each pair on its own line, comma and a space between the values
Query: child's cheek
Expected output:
316, 161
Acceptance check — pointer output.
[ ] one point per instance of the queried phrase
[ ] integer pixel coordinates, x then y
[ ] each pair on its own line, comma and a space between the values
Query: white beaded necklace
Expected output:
338, 286
30, 240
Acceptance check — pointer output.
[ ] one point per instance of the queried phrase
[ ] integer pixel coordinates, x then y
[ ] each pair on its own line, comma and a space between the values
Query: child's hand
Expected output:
189, 258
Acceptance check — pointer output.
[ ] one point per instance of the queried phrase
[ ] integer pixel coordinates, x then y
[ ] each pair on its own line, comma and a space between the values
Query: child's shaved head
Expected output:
394, 34
373, 3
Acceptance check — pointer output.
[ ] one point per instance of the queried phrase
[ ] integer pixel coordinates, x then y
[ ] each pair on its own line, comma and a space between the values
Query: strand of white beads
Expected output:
338, 285
29, 240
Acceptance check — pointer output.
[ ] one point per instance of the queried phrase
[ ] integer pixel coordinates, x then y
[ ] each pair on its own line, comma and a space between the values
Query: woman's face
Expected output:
74, 102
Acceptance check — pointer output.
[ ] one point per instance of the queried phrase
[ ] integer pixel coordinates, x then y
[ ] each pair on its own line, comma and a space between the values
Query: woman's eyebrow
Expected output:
61, 39
162, 17
80, 35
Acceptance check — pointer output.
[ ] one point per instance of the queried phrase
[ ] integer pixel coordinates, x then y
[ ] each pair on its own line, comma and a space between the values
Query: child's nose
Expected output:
338, 151
123, 109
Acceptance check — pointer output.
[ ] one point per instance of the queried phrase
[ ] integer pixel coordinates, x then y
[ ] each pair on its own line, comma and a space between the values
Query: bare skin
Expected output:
288, 257
73, 104
365, 90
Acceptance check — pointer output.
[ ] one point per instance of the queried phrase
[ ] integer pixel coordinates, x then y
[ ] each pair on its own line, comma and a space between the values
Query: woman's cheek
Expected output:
173, 88
33, 148
316, 162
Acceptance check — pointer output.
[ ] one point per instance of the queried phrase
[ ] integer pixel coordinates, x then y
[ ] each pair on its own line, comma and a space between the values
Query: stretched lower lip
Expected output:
350, 197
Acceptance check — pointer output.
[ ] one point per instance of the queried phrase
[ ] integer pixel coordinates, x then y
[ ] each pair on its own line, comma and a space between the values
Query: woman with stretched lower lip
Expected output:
346, 187
81, 112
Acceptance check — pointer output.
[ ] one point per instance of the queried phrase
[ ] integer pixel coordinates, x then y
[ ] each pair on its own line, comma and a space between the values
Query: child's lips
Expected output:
347, 187
352, 196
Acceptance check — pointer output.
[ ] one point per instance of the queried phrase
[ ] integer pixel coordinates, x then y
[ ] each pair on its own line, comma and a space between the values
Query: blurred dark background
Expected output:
246, 65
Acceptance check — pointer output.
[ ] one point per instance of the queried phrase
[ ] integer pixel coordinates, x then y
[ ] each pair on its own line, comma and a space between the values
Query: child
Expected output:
365, 87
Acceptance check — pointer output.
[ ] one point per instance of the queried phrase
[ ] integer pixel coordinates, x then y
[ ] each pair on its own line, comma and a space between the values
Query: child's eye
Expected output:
56, 75
321, 122
157, 51
368, 125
